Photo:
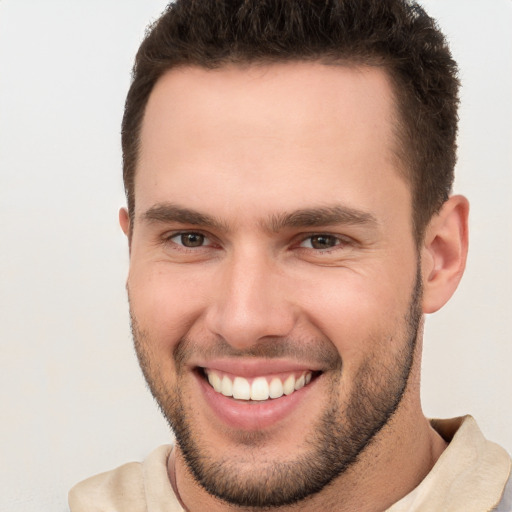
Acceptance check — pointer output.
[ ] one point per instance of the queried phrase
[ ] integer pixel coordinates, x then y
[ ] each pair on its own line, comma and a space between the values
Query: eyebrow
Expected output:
324, 216
303, 218
169, 212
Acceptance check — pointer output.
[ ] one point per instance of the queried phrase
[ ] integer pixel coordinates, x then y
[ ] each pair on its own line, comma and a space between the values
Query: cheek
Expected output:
165, 304
359, 313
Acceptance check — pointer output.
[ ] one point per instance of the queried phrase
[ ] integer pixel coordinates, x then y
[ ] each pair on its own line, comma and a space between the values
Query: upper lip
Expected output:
250, 368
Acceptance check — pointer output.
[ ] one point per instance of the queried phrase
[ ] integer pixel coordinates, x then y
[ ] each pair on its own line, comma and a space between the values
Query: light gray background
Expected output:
72, 401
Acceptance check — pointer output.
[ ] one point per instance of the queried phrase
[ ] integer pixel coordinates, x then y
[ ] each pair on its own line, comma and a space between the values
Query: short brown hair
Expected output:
395, 34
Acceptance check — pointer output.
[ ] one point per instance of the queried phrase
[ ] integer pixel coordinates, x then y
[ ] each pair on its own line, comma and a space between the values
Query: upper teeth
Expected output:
259, 389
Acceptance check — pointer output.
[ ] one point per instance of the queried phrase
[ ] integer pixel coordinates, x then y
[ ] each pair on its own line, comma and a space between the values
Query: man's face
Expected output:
272, 257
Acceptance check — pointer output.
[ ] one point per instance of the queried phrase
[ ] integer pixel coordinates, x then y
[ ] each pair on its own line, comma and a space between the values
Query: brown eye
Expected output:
321, 242
189, 239
192, 239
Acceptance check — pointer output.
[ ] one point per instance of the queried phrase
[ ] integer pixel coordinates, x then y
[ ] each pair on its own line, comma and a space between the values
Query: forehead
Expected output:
285, 130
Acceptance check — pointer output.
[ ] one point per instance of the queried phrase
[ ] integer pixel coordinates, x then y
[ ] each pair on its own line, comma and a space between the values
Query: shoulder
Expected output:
505, 504
122, 488
471, 474
119, 489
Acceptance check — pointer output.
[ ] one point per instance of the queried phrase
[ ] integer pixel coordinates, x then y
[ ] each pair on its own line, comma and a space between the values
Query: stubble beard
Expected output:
342, 433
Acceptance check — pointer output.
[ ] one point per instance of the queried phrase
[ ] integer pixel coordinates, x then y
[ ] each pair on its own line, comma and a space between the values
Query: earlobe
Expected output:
444, 253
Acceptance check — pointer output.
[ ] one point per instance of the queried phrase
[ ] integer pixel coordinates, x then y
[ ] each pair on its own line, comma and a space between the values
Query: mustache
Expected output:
318, 352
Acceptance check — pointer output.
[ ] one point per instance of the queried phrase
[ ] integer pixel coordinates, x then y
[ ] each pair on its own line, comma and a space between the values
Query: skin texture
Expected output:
247, 166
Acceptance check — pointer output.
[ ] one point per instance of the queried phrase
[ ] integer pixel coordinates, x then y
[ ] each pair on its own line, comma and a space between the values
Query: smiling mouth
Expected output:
258, 389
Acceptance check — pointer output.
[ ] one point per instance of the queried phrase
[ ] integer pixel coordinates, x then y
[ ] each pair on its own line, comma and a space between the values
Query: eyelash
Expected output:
340, 241
168, 238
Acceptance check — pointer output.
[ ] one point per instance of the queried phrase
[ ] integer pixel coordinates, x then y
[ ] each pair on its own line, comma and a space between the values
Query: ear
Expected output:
444, 253
124, 222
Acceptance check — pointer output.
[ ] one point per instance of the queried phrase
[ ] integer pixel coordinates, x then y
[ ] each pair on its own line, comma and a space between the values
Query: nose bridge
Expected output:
250, 302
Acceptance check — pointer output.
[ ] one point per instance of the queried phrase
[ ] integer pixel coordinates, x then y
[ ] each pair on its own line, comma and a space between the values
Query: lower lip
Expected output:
253, 415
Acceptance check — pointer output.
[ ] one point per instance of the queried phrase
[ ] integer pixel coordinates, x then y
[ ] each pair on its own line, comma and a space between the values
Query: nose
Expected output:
250, 301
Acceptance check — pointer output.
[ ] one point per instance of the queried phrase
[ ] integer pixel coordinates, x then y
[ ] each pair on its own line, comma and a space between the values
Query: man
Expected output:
288, 168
